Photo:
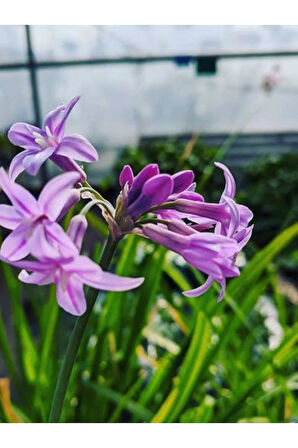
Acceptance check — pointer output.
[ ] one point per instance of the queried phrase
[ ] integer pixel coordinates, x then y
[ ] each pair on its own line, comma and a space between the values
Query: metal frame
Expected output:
32, 65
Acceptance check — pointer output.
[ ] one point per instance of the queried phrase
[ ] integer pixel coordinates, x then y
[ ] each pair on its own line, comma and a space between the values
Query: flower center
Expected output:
45, 141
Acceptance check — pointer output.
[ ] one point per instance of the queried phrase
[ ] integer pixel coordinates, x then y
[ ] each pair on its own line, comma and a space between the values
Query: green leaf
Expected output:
189, 373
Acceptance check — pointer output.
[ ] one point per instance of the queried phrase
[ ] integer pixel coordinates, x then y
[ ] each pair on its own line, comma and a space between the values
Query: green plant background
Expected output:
153, 355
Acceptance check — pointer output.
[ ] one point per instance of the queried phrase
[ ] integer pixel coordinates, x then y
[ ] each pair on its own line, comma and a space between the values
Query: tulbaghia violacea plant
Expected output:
161, 207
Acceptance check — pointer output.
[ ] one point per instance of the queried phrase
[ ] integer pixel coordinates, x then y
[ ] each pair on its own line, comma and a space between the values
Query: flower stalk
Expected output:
76, 338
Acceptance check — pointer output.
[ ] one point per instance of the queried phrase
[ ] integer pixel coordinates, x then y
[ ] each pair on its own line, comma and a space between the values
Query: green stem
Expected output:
76, 337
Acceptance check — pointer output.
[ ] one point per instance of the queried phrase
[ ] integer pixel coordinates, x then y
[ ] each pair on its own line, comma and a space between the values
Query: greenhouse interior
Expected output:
220, 102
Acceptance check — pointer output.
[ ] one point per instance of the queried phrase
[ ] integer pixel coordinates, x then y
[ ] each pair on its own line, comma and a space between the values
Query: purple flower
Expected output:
210, 253
181, 217
232, 221
150, 189
50, 142
71, 273
33, 221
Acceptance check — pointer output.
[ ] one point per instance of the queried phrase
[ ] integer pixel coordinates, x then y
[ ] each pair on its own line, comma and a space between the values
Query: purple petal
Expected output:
77, 147
246, 215
222, 283
178, 226
59, 130
33, 162
167, 238
218, 212
70, 200
126, 176
200, 290
21, 134
16, 166
155, 191
230, 187
53, 118
94, 276
71, 297
9, 217
15, 246
67, 164
138, 182
182, 180
113, 282
39, 266
37, 278
77, 229
39, 244
243, 236
55, 193
59, 239
217, 244
22, 200
202, 261
235, 216
191, 195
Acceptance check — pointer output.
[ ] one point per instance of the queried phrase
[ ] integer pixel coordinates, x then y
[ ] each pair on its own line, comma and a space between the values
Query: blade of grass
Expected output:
189, 372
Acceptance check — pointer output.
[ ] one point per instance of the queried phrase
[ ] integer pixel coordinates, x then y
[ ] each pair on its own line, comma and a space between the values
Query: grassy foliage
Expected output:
152, 355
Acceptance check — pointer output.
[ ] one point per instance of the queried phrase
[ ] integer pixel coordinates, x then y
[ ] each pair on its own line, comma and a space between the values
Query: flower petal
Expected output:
71, 296
56, 192
70, 200
126, 176
176, 242
39, 243
113, 282
59, 239
138, 182
24, 202
94, 276
15, 245
21, 134
77, 147
53, 118
59, 130
9, 217
155, 191
230, 187
67, 164
182, 180
32, 162
200, 290
16, 166
77, 229
37, 278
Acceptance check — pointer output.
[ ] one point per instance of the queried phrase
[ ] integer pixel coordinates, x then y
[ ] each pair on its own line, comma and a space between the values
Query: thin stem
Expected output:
87, 187
90, 204
152, 221
76, 337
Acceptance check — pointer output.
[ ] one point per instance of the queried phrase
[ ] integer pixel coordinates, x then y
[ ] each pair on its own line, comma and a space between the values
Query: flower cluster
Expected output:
34, 222
207, 235
161, 207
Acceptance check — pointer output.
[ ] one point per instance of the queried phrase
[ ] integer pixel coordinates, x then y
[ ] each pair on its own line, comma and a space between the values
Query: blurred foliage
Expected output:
7, 150
153, 355
271, 186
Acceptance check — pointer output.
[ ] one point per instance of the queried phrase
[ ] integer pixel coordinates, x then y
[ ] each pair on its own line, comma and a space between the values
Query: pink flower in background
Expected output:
50, 143
33, 221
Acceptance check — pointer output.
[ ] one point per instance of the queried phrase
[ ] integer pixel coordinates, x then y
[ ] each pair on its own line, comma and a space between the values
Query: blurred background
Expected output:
183, 97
